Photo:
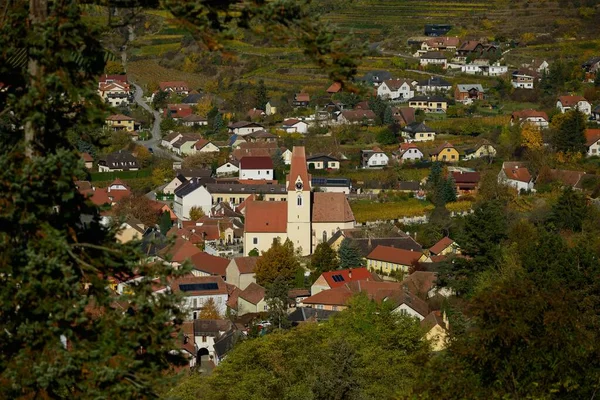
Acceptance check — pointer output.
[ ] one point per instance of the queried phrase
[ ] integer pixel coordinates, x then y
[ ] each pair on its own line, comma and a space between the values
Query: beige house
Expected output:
444, 247
120, 122
306, 218
390, 259
429, 103
240, 272
205, 146
132, 229
483, 149
436, 326
252, 300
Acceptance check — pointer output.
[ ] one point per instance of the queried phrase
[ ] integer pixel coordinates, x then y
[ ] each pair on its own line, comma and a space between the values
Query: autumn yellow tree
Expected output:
209, 310
161, 175
196, 213
204, 106
279, 261
531, 137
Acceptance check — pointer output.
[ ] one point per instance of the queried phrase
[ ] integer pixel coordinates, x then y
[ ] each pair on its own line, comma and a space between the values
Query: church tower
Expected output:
299, 202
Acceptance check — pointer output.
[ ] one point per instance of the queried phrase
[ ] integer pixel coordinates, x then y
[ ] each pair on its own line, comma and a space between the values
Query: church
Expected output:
306, 218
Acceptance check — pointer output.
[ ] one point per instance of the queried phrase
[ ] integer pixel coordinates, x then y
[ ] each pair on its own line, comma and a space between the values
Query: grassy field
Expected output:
367, 211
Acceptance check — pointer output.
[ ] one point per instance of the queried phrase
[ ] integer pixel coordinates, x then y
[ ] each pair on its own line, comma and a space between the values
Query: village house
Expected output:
418, 132
434, 84
444, 43
537, 65
192, 98
119, 161
183, 175
436, 327
194, 120
336, 298
111, 195
185, 144
115, 92
332, 185
436, 30
334, 88
228, 168
567, 103
403, 115
481, 150
240, 271
592, 142
252, 300
177, 111
207, 333
333, 279
177, 87
301, 99
373, 158
242, 128
305, 218
255, 114
444, 247
130, 229
365, 117
376, 78
536, 118
294, 125
191, 193
468, 47
261, 136
237, 193
205, 264
390, 259
88, 160
259, 168
522, 80
322, 161
408, 152
197, 290
516, 175
120, 122
429, 103
396, 89
205, 146
433, 58
446, 152
468, 92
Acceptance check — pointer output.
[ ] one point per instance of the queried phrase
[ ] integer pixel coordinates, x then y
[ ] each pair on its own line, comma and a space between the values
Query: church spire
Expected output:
298, 178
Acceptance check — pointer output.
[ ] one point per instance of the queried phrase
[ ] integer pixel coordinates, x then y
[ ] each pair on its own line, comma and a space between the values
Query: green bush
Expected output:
107, 176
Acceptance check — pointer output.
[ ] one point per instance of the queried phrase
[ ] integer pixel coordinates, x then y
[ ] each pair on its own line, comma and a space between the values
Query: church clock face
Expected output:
299, 185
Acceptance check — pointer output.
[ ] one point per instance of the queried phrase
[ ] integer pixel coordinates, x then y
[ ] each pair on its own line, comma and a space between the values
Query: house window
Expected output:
259, 172
324, 236
319, 306
195, 303
299, 200
241, 200
203, 339
195, 316
255, 240
265, 308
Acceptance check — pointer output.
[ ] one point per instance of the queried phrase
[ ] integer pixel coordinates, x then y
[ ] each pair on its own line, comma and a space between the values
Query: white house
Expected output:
228, 168
433, 84
516, 175
396, 89
190, 194
433, 58
205, 146
496, 70
471, 69
592, 142
536, 118
167, 141
567, 103
294, 125
322, 161
208, 332
197, 290
259, 168
522, 80
332, 185
409, 152
243, 128
374, 158
115, 93
286, 156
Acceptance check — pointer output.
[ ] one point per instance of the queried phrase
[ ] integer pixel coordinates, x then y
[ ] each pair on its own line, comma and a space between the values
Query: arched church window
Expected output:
299, 200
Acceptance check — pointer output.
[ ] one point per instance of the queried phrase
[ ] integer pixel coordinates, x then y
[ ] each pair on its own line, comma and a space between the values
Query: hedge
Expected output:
107, 176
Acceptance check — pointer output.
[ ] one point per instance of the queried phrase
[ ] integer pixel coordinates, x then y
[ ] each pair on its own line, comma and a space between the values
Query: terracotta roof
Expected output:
529, 114
256, 163
395, 84
298, 169
420, 283
246, 265
210, 264
566, 177
335, 87
180, 251
266, 216
87, 157
469, 45
591, 136
302, 96
221, 287
515, 171
254, 293
113, 77
394, 255
344, 276
444, 41
466, 177
432, 319
173, 84
411, 300
331, 207
340, 295
234, 293
290, 122
119, 117
441, 148
570, 101
441, 245
406, 146
358, 115
255, 113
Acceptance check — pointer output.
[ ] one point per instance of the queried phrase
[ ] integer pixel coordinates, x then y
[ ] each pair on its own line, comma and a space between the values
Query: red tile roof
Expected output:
441, 245
210, 264
466, 177
246, 265
298, 169
591, 136
180, 251
394, 255
254, 293
234, 293
256, 163
529, 114
340, 295
516, 172
87, 157
266, 216
347, 275
335, 87
331, 207
173, 84
420, 283
119, 117
302, 97
570, 101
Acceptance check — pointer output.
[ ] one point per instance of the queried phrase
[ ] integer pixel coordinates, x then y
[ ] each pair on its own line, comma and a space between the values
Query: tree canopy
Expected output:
279, 261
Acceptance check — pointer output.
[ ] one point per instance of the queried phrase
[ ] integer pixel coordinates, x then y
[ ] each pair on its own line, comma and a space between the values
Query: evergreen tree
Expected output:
570, 211
388, 116
349, 255
165, 222
323, 259
261, 96
277, 299
449, 189
386, 136
218, 123
435, 175
160, 100
253, 253
279, 261
571, 133
597, 79
378, 106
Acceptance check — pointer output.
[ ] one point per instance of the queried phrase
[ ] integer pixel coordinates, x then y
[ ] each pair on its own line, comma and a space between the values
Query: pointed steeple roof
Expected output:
298, 169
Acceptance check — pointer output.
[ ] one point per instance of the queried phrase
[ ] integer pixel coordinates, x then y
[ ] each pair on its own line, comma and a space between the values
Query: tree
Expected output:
378, 105
449, 189
218, 123
114, 68
162, 174
388, 116
253, 253
160, 100
143, 155
165, 222
278, 300
167, 124
136, 207
597, 79
323, 259
570, 135
349, 255
279, 261
261, 96
209, 310
196, 213
531, 137
570, 211
386, 136
199, 160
